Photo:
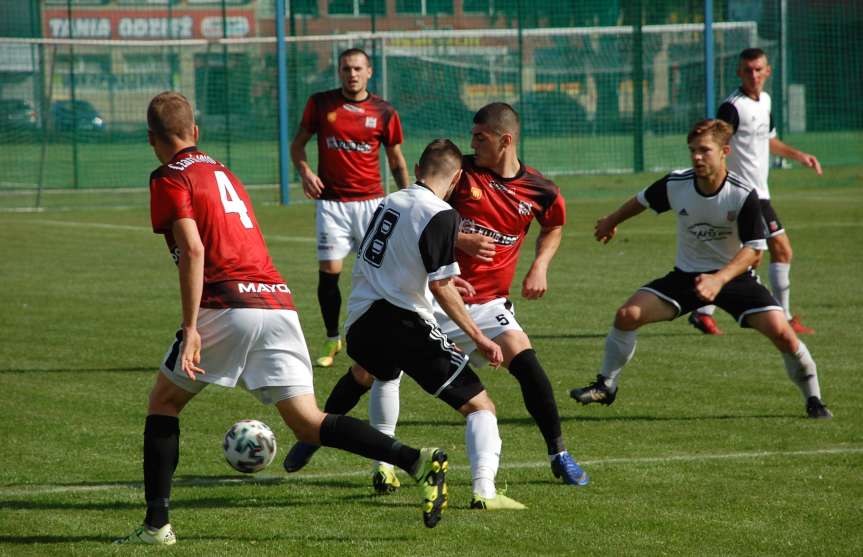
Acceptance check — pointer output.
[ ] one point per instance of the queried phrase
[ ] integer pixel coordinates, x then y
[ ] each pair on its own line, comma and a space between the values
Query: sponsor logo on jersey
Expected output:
469, 226
499, 187
348, 145
706, 232
186, 162
331, 116
475, 193
683, 212
353, 108
371, 122
259, 287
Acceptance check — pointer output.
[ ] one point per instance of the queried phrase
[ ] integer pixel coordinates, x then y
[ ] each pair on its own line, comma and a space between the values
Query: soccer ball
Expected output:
249, 446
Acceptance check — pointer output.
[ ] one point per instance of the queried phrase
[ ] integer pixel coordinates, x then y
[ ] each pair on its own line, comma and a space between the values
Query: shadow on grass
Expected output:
150, 368
527, 421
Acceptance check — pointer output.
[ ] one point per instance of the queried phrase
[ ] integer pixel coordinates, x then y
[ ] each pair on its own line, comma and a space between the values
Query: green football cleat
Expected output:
499, 502
143, 534
385, 481
431, 473
329, 351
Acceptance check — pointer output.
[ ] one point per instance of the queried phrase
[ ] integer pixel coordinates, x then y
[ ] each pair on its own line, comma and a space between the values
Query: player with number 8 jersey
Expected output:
238, 271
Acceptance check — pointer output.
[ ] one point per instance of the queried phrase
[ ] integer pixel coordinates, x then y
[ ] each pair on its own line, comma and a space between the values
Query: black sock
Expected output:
538, 398
355, 436
161, 454
345, 395
330, 299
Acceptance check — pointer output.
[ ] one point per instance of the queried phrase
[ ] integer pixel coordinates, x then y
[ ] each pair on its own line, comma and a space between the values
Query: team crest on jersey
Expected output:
331, 116
371, 122
731, 215
475, 193
523, 208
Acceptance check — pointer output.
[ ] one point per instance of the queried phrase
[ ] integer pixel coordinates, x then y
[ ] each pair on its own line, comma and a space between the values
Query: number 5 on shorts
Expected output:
230, 200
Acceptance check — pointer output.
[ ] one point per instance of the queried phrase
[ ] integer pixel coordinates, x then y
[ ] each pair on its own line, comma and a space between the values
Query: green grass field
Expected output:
705, 452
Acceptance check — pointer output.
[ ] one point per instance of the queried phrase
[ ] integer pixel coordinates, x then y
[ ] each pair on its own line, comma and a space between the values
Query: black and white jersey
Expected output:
409, 241
752, 121
711, 229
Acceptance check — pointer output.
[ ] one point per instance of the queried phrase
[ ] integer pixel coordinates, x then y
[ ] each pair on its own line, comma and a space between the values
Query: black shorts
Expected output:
742, 296
387, 339
774, 226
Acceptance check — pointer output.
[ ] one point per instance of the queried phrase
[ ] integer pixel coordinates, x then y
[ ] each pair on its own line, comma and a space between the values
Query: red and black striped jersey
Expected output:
502, 209
350, 134
238, 271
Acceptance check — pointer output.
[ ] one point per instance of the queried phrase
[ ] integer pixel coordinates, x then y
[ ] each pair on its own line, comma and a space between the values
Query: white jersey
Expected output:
410, 241
752, 121
710, 228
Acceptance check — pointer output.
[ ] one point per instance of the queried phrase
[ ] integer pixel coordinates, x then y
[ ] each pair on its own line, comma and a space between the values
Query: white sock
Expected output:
802, 371
780, 283
706, 310
384, 409
483, 451
619, 349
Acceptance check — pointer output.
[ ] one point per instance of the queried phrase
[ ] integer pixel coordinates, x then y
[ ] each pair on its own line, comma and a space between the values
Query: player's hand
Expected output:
809, 160
535, 284
312, 185
476, 245
707, 286
604, 230
464, 288
190, 354
491, 350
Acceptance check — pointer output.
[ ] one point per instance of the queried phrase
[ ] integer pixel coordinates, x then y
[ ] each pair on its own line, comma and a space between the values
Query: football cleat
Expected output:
328, 352
816, 409
143, 534
299, 455
564, 467
595, 392
704, 323
385, 481
799, 327
431, 473
499, 502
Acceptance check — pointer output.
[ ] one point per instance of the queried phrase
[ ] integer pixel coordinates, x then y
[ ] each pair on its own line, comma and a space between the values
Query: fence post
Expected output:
75, 171
226, 83
638, 89
282, 76
709, 71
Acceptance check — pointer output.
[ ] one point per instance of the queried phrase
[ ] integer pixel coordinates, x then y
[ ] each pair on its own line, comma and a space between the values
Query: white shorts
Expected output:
494, 318
264, 348
341, 225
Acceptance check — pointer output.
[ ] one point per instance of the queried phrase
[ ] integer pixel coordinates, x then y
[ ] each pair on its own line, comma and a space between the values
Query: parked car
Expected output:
77, 115
17, 115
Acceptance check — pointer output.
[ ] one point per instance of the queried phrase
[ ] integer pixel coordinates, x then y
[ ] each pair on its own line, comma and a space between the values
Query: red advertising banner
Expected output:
147, 24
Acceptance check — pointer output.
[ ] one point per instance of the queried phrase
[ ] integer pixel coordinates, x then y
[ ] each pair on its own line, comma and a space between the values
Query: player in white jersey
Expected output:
748, 110
720, 234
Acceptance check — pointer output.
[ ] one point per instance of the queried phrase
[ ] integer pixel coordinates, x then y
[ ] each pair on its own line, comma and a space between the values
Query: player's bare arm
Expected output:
606, 227
312, 185
535, 283
464, 288
191, 269
450, 301
782, 149
476, 245
398, 166
707, 286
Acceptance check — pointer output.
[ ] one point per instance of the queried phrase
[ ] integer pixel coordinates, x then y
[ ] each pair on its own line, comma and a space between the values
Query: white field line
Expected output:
106, 226
40, 489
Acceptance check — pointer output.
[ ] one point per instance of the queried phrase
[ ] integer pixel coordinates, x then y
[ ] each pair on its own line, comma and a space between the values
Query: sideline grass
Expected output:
89, 310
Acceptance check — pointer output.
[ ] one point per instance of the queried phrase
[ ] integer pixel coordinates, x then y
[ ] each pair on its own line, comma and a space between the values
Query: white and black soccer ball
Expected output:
249, 446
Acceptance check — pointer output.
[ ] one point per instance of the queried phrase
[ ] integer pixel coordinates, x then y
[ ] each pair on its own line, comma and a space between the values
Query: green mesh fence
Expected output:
72, 113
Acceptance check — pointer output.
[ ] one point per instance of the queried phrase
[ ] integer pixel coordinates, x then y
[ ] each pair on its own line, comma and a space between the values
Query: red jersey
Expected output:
350, 134
502, 209
238, 271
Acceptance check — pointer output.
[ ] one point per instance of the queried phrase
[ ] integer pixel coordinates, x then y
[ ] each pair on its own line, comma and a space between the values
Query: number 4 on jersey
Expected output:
230, 200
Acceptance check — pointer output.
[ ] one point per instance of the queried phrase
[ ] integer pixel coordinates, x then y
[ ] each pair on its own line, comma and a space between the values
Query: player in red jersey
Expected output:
351, 124
497, 198
239, 323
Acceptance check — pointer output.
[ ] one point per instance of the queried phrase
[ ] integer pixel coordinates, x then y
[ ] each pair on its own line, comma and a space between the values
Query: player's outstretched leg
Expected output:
619, 349
330, 300
344, 396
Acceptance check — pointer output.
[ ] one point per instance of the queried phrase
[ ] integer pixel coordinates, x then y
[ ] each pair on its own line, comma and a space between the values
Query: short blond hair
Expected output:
719, 130
170, 116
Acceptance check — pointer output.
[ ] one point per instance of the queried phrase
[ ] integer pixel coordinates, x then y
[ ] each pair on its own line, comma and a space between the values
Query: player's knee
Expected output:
627, 318
361, 376
480, 402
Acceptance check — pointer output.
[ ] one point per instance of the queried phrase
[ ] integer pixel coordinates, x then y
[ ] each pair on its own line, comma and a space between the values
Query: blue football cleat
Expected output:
567, 469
